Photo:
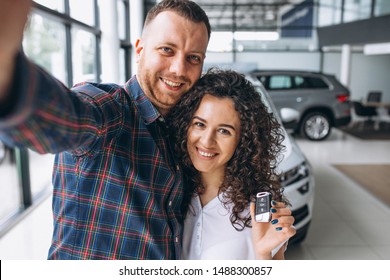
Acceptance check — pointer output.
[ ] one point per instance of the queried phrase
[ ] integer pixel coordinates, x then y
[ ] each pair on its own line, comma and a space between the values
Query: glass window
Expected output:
317, 83
9, 184
220, 42
309, 83
122, 66
44, 42
41, 168
299, 82
83, 56
57, 5
312, 82
83, 11
122, 14
329, 12
356, 10
280, 82
382, 7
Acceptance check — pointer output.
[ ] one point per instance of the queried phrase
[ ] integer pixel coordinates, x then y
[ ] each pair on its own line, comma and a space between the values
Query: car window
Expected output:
309, 83
300, 82
279, 82
316, 82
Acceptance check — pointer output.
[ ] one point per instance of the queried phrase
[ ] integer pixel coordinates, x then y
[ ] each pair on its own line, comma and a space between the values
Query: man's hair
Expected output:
185, 8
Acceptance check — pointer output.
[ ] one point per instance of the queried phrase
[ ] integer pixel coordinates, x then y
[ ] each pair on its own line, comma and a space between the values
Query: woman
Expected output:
228, 144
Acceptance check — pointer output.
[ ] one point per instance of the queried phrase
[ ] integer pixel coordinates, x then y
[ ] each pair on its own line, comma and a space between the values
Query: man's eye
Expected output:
166, 49
195, 59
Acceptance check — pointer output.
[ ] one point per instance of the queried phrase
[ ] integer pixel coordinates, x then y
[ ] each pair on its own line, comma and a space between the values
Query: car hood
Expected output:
291, 155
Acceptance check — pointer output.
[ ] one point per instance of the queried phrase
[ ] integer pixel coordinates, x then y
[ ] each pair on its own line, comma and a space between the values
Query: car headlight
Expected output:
294, 175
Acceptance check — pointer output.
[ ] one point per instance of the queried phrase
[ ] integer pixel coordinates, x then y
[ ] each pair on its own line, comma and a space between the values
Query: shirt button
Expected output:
177, 239
177, 167
170, 203
161, 119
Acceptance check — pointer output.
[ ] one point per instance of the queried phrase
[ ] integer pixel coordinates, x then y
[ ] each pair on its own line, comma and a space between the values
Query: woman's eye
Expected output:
198, 124
224, 131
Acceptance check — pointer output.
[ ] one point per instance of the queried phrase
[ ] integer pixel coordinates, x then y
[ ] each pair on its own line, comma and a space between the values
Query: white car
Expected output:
296, 177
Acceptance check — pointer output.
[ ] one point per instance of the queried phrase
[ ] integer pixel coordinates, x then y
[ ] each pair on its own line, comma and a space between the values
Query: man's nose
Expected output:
178, 66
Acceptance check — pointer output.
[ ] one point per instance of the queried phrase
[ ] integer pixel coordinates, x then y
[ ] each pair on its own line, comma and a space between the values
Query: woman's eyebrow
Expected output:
222, 124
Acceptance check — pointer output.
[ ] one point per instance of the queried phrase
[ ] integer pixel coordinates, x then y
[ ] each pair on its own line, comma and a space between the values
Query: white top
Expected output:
208, 234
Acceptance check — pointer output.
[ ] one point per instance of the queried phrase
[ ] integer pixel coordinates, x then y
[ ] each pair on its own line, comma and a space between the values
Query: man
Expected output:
117, 189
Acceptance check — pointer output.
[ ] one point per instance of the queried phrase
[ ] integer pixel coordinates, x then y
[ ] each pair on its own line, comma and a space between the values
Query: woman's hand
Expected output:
268, 236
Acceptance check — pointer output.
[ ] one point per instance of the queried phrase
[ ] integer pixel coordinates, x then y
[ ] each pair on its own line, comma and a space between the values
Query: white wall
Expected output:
270, 60
137, 21
109, 42
368, 73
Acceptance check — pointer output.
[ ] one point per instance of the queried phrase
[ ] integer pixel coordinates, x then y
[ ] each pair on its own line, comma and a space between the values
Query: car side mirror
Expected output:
290, 117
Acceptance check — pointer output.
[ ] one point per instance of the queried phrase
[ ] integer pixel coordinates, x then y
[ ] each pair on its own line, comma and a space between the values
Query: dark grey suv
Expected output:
320, 99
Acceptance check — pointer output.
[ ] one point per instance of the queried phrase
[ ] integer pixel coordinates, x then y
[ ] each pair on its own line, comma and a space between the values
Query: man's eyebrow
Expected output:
173, 45
221, 124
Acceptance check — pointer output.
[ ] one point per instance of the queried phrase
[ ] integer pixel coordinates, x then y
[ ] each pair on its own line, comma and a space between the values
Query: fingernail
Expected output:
273, 202
274, 221
273, 210
278, 229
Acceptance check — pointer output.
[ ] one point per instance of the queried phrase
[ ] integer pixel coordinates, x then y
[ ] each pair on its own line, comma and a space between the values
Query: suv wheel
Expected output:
316, 126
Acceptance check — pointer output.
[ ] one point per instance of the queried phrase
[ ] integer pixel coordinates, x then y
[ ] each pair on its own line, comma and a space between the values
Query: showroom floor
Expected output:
348, 223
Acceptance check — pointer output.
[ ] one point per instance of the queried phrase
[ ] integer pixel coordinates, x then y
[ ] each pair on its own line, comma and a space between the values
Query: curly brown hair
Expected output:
252, 167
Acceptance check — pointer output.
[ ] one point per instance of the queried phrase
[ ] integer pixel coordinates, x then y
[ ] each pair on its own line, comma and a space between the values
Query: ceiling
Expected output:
241, 15
244, 15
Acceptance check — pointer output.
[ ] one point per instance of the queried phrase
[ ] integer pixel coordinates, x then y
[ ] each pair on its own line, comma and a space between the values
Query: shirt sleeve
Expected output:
44, 115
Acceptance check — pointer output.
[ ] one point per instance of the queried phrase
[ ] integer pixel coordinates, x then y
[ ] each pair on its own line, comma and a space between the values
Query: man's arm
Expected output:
36, 110
13, 15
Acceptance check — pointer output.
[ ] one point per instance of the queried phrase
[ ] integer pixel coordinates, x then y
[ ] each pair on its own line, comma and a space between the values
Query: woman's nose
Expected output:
208, 139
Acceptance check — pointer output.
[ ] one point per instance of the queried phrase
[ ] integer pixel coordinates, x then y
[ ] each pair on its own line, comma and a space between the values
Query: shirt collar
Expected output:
147, 111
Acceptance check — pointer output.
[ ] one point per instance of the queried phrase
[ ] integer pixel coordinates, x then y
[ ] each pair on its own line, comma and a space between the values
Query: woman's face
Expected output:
214, 134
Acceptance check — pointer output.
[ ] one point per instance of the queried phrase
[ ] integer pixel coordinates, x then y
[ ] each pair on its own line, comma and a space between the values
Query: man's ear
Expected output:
138, 49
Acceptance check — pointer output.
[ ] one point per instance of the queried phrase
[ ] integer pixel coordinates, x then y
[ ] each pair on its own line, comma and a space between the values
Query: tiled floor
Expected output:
348, 223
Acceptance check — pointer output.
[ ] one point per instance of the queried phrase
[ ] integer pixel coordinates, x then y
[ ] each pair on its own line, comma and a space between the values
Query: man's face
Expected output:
170, 58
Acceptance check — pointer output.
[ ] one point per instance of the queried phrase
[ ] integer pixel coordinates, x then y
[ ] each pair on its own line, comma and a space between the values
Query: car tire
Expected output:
316, 126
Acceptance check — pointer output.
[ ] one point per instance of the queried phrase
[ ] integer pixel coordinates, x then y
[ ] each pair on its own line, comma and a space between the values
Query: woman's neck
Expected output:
211, 184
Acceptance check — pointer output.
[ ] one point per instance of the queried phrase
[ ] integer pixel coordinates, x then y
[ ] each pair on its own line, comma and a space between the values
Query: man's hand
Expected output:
13, 17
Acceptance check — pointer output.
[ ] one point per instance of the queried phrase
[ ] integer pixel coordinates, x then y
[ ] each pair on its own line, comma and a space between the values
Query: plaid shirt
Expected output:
117, 190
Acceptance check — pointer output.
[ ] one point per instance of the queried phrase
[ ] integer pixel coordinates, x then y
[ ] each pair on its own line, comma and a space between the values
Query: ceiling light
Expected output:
381, 48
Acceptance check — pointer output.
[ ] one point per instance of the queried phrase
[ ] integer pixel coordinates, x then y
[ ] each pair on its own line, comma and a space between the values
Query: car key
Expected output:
263, 207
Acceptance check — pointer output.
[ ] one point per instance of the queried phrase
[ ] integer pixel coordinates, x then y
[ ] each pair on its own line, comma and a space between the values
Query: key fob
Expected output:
263, 207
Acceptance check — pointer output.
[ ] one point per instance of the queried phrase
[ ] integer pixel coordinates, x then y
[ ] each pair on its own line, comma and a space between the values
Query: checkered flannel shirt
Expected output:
117, 190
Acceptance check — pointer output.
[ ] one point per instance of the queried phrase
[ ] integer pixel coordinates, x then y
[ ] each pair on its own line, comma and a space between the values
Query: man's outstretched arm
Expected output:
13, 17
